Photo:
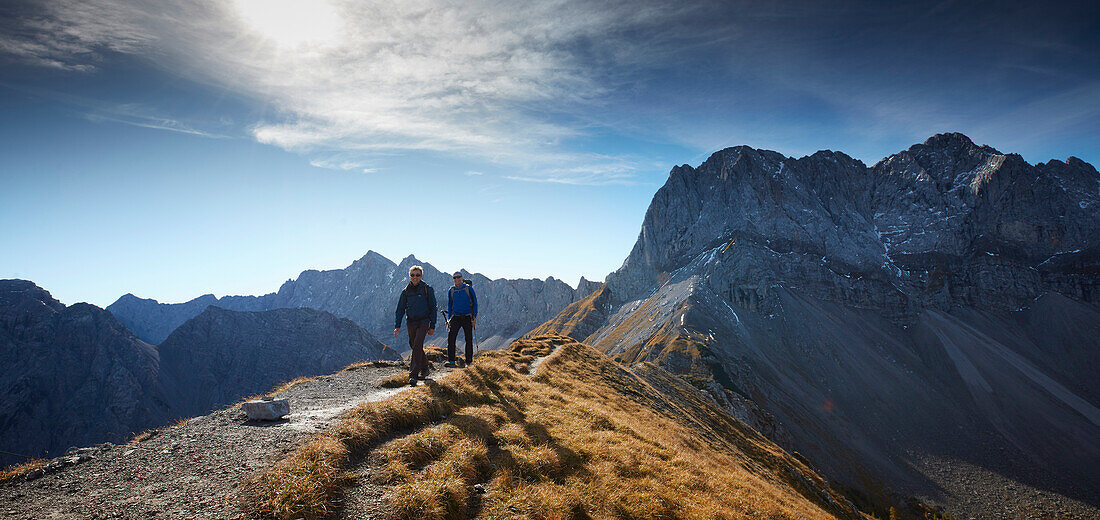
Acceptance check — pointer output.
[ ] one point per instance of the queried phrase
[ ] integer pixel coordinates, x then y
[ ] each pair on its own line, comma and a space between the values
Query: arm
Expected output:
432, 310
401, 303
450, 302
473, 302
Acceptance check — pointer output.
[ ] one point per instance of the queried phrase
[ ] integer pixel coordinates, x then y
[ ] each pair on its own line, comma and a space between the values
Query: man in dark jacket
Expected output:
462, 308
417, 302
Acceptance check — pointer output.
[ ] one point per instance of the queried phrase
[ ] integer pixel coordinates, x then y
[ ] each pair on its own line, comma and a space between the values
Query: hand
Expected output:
473, 322
431, 331
395, 331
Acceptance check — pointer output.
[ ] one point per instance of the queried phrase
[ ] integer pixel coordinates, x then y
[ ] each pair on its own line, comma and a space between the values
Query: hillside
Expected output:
76, 376
73, 375
366, 293
572, 436
548, 428
219, 356
912, 327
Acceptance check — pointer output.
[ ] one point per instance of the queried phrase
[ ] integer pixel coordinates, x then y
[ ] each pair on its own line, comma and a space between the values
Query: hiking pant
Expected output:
418, 362
464, 322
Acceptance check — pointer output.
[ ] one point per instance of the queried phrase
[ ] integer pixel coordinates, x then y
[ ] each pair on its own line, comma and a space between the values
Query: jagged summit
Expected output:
25, 292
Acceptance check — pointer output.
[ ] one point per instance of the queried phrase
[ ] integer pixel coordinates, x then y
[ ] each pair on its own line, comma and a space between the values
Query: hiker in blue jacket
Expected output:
462, 308
417, 302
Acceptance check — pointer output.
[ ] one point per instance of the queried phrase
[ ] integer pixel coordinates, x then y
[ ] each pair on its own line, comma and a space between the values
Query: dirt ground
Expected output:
195, 469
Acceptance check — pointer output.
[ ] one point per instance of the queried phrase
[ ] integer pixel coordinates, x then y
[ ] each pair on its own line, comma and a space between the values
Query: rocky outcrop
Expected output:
220, 356
366, 292
581, 318
73, 375
811, 296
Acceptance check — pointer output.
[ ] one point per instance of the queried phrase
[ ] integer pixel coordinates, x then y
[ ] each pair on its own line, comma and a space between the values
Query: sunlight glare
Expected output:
290, 23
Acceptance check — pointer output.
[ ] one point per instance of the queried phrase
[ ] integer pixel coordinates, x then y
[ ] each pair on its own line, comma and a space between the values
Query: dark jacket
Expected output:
418, 303
461, 300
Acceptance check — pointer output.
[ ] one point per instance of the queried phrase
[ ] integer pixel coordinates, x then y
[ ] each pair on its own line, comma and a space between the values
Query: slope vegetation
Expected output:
583, 437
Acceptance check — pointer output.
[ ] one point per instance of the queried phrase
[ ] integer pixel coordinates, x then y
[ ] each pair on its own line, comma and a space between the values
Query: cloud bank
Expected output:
531, 86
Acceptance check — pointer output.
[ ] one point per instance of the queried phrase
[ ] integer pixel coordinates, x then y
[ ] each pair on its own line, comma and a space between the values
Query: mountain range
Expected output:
939, 305
366, 292
76, 376
914, 328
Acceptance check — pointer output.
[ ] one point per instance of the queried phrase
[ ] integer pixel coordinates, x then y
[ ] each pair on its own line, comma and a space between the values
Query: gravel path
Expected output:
192, 470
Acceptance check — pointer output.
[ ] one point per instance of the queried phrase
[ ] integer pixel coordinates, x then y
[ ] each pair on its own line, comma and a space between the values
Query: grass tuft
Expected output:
144, 436
395, 381
19, 471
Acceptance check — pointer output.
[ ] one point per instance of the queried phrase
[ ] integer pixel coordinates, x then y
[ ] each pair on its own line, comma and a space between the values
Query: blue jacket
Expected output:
461, 302
417, 303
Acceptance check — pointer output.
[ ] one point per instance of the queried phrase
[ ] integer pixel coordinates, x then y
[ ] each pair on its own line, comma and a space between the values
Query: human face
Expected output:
415, 277
458, 281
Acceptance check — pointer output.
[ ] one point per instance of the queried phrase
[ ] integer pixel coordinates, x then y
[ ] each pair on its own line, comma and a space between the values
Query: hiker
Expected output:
462, 309
417, 303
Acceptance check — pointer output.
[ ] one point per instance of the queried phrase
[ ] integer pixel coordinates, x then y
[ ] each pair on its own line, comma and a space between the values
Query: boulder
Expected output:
266, 410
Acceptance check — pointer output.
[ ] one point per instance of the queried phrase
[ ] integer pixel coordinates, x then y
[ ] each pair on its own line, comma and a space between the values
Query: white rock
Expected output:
266, 410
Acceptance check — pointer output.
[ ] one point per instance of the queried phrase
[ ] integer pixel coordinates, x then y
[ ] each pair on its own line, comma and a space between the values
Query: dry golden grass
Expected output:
584, 438
19, 471
381, 363
434, 353
143, 436
292, 383
579, 319
395, 381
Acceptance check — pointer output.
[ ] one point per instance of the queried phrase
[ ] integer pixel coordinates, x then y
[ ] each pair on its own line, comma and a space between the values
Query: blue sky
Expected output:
226, 146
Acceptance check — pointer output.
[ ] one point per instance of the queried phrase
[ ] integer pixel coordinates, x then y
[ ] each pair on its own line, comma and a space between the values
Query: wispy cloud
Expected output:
473, 173
595, 170
72, 35
481, 78
345, 165
145, 117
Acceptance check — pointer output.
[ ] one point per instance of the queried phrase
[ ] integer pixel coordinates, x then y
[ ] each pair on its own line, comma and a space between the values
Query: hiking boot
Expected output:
449, 364
412, 381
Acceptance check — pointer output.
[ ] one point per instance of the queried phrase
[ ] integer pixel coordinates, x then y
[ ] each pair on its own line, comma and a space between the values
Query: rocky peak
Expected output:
740, 161
948, 161
371, 260
26, 296
928, 209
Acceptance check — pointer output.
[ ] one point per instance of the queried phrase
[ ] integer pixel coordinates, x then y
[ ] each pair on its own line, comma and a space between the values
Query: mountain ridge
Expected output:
366, 292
